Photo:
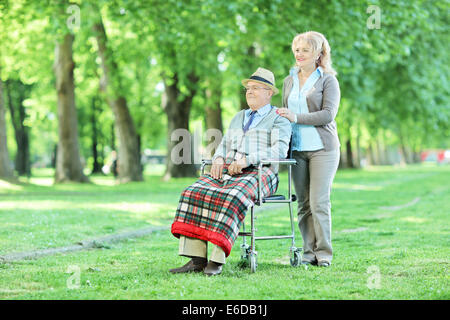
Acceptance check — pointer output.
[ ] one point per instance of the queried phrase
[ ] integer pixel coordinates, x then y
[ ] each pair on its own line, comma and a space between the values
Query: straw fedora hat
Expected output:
263, 76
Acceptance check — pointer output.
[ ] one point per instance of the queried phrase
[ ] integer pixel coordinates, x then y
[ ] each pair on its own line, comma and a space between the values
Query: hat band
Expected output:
260, 79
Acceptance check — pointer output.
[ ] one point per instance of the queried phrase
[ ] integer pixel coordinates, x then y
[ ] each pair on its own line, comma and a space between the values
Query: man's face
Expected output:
258, 96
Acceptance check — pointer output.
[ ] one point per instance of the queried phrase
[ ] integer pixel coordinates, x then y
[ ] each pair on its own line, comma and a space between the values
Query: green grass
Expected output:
408, 247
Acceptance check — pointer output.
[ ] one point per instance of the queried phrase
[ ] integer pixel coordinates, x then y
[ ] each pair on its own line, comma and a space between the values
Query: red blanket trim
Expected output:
181, 228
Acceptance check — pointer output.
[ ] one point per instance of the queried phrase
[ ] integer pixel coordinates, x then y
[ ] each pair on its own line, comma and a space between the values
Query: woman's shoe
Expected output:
324, 264
310, 263
213, 269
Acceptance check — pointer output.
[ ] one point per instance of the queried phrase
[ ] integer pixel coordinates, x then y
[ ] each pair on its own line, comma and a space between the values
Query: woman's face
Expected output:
304, 54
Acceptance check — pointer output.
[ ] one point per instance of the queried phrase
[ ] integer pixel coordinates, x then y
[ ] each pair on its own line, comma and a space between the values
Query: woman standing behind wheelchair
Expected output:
310, 101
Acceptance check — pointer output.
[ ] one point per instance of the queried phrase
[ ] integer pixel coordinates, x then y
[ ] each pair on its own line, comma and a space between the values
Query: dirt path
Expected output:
406, 205
101, 242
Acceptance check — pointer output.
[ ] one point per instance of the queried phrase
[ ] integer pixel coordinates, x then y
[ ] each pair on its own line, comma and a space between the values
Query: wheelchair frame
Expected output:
248, 252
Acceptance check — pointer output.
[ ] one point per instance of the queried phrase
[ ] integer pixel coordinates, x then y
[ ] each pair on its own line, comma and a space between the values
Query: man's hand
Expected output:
217, 167
237, 166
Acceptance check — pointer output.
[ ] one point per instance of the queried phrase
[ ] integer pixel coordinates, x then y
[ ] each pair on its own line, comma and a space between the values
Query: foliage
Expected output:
394, 80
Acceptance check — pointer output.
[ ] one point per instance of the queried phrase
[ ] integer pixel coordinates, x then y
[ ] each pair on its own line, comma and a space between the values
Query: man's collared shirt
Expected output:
267, 138
260, 114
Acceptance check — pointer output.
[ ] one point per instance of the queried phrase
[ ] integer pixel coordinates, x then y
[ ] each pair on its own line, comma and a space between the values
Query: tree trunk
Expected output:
17, 111
6, 170
96, 166
405, 156
53, 157
371, 154
405, 151
388, 160
248, 67
348, 145
213, 111
140, 122
380, 151
415, 153
349, 154
242, 100
177, 111
416, 157
113, 138
213, 115
68, 163
358, 148
141, 165
128, 155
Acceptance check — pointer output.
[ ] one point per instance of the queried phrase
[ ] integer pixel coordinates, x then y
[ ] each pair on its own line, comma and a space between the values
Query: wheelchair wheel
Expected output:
245, 251
245, 256
253, 262
296, 257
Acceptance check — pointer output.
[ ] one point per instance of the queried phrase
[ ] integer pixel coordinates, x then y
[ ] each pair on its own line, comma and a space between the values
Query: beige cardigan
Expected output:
323, 103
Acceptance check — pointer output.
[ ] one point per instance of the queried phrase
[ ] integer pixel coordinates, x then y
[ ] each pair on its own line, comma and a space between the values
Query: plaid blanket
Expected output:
213, 209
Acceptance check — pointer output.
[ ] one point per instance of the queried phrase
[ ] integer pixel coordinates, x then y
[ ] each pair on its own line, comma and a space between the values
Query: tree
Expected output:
96, 165
68, 162
194, 53
16, 91
6, 171
128, 155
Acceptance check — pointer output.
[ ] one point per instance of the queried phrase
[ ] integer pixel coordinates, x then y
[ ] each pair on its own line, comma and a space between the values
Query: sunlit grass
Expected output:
352, 187
394, 219
6, 185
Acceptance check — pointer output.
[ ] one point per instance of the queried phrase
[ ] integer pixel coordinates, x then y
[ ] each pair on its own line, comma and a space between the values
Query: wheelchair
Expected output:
248, 252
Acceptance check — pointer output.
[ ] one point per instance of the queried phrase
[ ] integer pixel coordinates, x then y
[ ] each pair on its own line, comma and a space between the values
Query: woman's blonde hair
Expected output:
320, 44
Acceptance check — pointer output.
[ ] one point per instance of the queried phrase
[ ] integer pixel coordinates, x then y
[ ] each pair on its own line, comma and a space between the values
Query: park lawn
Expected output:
40, 215
390, 240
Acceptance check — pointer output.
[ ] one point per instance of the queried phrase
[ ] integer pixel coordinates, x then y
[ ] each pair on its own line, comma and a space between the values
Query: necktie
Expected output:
249, 122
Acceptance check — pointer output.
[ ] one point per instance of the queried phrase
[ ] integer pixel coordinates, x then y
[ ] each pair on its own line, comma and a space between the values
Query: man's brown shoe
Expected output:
213, 269
194, 265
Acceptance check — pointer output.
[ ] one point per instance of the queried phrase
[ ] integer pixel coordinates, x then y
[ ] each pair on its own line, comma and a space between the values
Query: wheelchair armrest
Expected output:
263, 162
279, 161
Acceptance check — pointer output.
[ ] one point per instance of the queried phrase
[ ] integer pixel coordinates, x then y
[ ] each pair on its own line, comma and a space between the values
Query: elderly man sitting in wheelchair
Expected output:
214, 207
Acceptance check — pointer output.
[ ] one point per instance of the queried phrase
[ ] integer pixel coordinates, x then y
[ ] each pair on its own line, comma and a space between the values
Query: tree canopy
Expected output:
178, 64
